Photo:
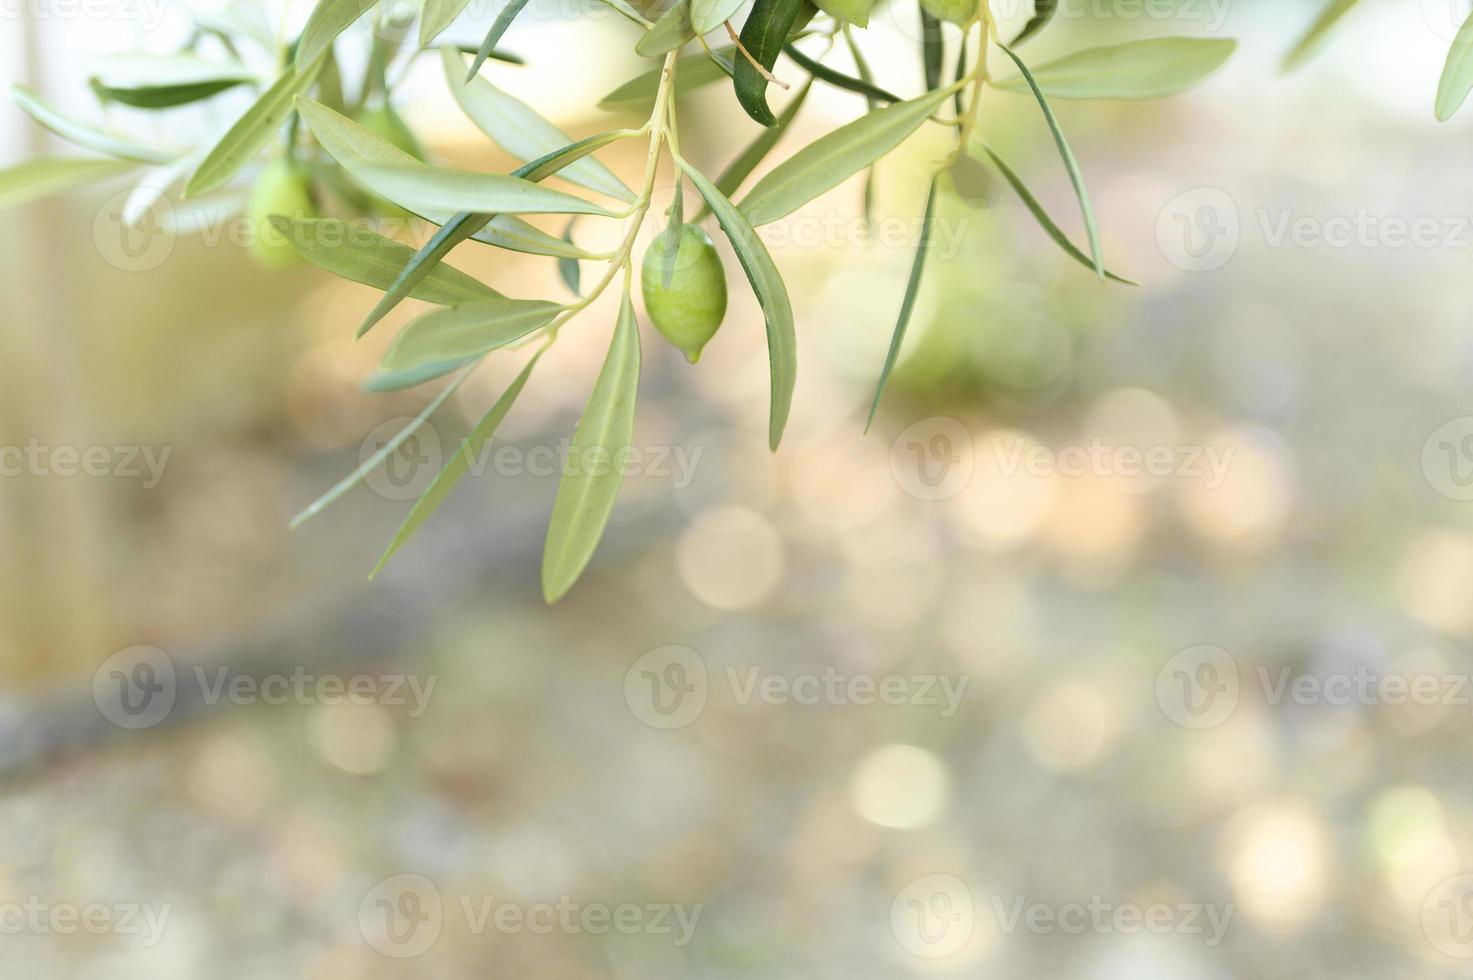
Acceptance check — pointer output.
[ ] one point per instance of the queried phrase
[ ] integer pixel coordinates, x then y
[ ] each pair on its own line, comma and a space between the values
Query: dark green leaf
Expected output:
493, 36
838, 79
932, 49
1043, 12
764, 35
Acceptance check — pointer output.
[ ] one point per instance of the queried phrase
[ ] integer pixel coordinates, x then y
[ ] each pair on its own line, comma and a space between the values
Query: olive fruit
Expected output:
688, 312
282, 190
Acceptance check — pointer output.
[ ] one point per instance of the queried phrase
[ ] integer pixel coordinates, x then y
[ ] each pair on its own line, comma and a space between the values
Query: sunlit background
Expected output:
977, 694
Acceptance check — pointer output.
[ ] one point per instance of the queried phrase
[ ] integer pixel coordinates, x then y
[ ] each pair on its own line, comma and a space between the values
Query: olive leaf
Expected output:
493, 36
586, 495
1043, 12
1148, 69
329, 19
1329, 16
436, 17
691, 72
707, 15
764, 35
521, 130
458, 332
1042, 217
163, 81
459, 464
772, 294
622, 8
1457, 74
252, 130
569, 269
838, 79
354, 252
85, 134
908, 304
668, 33
384, 382
731, 179
672, 237
933, 50
1076, 177
830, 160
35, 179
384, 452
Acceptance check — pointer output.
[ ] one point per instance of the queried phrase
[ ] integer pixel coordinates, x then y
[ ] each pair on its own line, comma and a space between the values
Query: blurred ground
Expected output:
1132, 643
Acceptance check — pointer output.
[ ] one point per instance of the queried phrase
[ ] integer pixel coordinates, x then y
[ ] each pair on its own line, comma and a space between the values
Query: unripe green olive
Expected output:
283, 190
692, 308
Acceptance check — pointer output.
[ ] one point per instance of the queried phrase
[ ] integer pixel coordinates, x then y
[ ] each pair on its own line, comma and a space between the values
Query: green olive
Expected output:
282, 190
692, 308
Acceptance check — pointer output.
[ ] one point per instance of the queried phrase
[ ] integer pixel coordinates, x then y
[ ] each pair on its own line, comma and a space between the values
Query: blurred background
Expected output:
1132, 642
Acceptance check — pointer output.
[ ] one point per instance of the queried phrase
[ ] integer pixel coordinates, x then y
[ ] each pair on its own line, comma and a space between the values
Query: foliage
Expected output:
328, 153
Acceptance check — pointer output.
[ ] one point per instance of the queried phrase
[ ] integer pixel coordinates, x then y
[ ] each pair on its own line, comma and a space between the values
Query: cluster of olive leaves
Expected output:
323, 145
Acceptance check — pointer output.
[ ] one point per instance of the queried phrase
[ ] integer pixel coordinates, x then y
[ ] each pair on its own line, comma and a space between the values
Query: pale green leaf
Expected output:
1148, 69
521, 130
253, 130
668, 33
85, 134
1071, 165
329, 19
1457, 74
469, 453
692, 72
36, 179
707, 15
494, 35
466, 330
908, 304
772, 294
832, 159
854, 12
436, 17
1329, 16
586, 495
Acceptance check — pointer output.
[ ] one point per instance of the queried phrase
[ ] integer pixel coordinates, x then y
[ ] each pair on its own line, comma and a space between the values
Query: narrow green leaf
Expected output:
383, 382
162, 96
707, 15
464, 331
838, 79
252, 130
1329, 16
427, 190
908, 305
1043, 12
85, 134
521, 130
1070, 164
1149, 69
493, 36
827, 162
668, 33
329, 19
767, 283
569, 269
35, 179
436, 17
469, 453
692, 72
933, 50
763, 35
355, 252
1457, 74
1042, 217
388, 449
586, 495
